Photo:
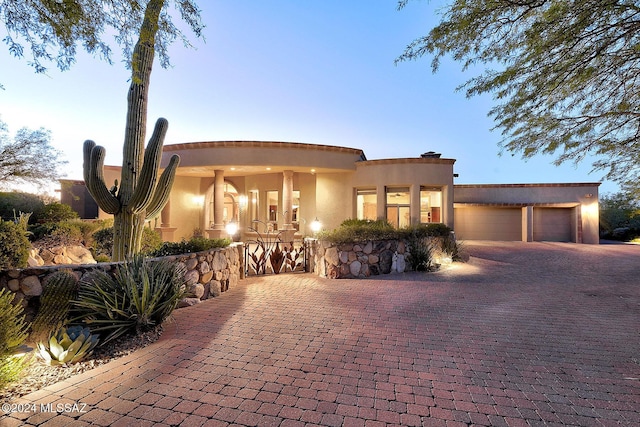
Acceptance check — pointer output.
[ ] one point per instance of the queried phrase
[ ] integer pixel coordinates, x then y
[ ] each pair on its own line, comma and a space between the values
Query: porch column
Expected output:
527, 223
165, 230
381, 201
414, 194
218, 230
287, 206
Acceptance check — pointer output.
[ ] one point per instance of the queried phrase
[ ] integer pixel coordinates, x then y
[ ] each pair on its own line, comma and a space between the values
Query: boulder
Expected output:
191, 263
401, 264
14, 285
188, 302
331, 255
192, 277
206, 277
31, 286
386, 260
197, 290
79, 255
219, 262
215, 288
354, 268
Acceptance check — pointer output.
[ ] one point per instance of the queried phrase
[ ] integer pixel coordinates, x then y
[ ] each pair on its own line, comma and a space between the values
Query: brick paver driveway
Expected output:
523, 334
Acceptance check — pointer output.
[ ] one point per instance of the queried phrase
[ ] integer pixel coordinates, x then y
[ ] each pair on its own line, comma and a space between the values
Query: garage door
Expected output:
552, 224
488, 223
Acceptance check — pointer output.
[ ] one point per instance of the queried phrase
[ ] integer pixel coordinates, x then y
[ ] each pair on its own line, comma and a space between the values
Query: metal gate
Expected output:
269, 254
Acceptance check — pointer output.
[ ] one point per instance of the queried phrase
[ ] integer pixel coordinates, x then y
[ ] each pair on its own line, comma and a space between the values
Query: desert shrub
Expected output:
451, 247
357, 230
55, 212
434, 229
195, 244
55, 303
14, 246
139, 296
102, 258
103, 241
13, 202
58, 233
13, 333
151, 241
420, 252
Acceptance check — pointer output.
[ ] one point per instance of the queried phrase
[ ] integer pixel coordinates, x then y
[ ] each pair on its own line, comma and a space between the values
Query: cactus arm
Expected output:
94, 178
163, 188
144, 191
86, 156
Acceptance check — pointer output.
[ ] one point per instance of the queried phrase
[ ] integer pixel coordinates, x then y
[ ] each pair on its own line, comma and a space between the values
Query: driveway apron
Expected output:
524, 334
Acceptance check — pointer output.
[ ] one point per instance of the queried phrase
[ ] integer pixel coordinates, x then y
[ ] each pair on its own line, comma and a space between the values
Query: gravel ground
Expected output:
38, 375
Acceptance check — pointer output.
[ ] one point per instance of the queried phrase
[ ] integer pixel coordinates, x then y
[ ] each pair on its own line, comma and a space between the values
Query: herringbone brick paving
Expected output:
524, 334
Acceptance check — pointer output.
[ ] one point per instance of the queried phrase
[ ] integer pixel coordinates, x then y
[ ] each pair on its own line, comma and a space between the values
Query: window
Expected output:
430, 204
272, 205
398, 206
366, 204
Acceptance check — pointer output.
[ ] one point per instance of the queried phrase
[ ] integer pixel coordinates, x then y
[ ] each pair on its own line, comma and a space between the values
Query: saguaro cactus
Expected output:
139, 197
131, 210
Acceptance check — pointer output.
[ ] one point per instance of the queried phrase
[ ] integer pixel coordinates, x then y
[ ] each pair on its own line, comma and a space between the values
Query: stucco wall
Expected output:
578, 200
412, 172
334, 199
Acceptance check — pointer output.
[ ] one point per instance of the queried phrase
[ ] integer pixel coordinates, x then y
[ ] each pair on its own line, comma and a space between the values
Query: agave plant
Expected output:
67, 346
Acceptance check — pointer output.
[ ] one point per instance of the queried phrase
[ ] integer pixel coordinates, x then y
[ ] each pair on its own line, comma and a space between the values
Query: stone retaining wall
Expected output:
359, 260
209, 273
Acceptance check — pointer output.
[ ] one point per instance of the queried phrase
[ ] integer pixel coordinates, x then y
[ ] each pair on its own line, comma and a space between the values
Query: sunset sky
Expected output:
319, 72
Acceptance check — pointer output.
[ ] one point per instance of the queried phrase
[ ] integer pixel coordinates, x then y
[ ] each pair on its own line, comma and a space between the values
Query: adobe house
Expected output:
285, 187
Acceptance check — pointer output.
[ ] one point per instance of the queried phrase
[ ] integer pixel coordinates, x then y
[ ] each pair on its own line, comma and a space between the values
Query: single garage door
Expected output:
552, 224
488, 223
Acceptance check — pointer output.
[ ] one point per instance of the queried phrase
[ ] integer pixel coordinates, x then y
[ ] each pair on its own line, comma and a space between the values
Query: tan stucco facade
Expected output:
284, 187
528, 212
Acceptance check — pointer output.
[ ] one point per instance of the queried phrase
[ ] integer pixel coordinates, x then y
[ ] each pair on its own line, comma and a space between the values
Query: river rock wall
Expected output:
209, 273
360, 260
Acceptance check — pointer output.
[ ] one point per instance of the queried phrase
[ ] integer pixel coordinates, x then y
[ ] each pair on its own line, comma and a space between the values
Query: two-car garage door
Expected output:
505, 223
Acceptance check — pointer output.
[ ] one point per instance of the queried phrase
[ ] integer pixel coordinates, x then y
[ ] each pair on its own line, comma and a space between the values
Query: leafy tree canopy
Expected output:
49, 31
28, 157
564, 74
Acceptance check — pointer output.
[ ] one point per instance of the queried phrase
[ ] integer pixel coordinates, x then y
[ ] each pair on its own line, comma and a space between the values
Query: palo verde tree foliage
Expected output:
564, 74
28, 157
142, 28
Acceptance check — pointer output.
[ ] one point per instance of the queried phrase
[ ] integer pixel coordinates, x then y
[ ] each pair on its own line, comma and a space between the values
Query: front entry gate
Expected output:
269, 254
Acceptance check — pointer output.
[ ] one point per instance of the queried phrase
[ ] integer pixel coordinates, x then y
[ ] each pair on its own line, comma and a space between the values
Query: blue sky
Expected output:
286, 70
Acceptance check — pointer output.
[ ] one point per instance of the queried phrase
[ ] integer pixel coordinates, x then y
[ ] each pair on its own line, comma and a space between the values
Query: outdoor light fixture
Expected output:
316, 225
198, 200
232, 228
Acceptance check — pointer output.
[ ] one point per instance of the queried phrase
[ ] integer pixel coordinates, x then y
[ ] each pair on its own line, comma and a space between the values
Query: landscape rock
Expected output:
31, 286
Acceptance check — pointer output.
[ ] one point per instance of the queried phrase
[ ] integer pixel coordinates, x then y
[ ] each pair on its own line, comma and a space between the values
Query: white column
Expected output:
218, 230
165, 230
287, 205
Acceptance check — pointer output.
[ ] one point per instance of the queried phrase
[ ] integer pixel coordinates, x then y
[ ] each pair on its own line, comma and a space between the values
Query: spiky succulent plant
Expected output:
67, 346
